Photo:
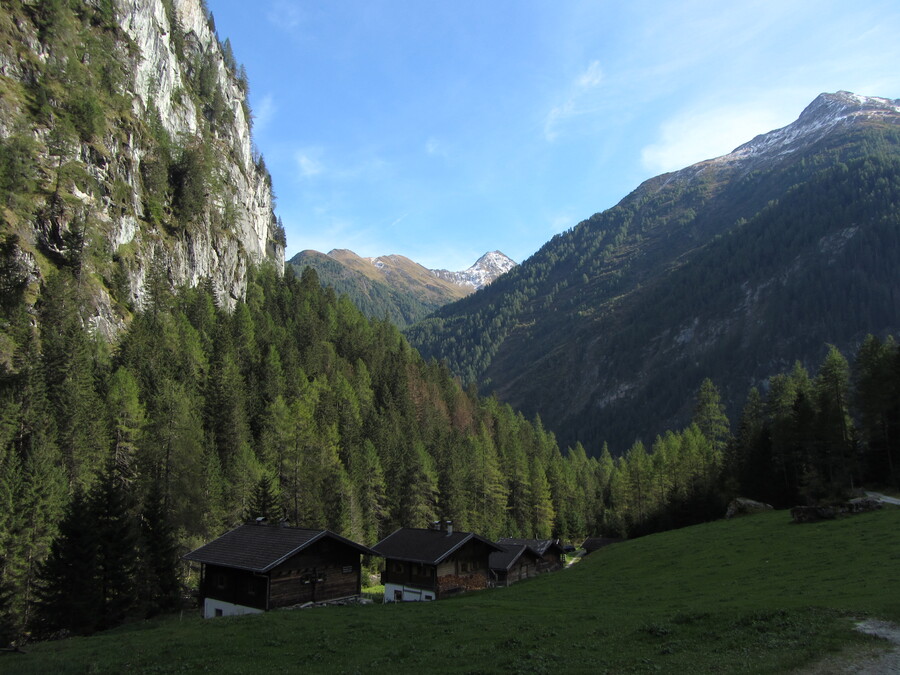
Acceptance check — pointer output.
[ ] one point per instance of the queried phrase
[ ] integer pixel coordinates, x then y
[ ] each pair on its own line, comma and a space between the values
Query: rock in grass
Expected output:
741, 506
813, 514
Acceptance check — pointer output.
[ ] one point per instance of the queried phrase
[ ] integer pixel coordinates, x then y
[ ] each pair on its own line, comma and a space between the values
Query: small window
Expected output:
220, 581
219, 611
398, 596
398, 566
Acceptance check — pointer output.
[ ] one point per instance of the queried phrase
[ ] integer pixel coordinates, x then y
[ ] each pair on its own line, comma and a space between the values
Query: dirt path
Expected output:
868, 661
886, 663
883, 498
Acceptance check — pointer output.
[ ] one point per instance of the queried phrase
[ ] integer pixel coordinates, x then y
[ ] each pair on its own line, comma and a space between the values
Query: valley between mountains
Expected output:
725, 330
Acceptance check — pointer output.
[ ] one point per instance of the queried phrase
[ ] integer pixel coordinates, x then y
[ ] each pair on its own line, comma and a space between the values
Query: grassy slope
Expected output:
757, 594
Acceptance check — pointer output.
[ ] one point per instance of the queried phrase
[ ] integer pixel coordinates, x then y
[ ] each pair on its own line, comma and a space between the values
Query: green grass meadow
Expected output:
754, 595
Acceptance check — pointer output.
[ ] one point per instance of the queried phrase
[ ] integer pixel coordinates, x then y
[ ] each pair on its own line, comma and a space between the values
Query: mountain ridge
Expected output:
571, 333
396, 286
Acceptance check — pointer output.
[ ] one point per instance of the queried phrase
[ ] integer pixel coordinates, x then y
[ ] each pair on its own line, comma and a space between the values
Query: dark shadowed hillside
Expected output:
730, 269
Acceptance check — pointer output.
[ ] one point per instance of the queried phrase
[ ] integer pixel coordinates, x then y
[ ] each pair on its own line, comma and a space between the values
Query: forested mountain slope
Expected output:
730, 269
396, 287
404, 299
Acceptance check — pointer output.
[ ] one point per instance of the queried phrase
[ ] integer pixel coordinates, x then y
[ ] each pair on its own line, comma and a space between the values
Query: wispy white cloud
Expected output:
577, 100
591, 77
703, 133
309, 162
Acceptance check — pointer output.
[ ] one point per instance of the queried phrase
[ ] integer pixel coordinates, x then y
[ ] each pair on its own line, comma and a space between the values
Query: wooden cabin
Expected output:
551, 552
258, 567
429, 564
514, 563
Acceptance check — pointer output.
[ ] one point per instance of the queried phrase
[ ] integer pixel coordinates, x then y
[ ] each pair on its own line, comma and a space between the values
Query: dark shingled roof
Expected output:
505, 559
540, 546
259, 548
425, 546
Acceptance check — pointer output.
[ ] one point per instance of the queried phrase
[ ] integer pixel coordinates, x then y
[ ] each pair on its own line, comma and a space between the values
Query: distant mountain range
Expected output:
733, 268
395, 286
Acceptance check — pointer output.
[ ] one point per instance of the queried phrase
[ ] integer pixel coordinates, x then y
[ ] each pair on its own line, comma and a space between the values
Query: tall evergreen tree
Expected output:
70, 597
874, 394
836, 460
158, 578
113, 513
264, 503
710, 417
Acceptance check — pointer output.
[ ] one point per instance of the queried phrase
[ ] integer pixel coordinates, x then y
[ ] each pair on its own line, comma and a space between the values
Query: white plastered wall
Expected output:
210, 606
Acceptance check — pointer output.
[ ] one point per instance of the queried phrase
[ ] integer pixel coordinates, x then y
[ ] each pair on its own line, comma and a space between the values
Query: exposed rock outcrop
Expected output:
741, 506
812, 514
134, 124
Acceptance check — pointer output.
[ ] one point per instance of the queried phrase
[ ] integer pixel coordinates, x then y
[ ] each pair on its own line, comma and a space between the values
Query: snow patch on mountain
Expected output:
487, 268
826, 112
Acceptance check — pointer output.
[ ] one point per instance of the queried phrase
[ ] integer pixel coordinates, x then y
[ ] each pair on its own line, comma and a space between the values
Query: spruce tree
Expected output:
69, 594
159, 582
710, 417
264, 503
113, 514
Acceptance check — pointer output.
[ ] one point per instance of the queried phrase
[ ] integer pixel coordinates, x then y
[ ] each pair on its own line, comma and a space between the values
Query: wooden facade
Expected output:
431, 564
256, 568
328, 571
515, 563
552, 554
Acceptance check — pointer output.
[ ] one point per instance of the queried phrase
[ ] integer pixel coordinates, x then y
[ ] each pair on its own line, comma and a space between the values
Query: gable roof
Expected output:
503, 560
426, 546
259, 548
540, 546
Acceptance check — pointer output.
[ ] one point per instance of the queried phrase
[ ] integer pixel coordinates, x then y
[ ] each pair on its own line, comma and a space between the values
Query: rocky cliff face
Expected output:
130, 120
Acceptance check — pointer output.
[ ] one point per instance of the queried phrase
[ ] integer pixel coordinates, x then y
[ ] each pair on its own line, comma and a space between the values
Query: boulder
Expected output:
741, 506
813, 514
862, 504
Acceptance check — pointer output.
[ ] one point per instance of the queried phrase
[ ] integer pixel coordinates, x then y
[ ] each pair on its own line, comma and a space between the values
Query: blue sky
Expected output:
440, 130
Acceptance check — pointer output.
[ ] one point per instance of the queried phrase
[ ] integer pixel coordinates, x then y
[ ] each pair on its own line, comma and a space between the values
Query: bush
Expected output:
18, 167
87, 116
189, 179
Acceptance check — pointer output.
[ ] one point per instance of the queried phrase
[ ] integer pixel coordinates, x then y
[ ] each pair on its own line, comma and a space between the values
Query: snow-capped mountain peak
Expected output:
487, 268
826, 112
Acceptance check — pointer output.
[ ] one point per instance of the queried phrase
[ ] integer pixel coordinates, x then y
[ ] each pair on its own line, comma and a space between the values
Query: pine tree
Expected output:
128, 421
489, 485
32, 488
369, 495
69, 595
836, 459
69, 369
113, 515
159, 583
710, 417
542, 513
874, 392
264, 503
